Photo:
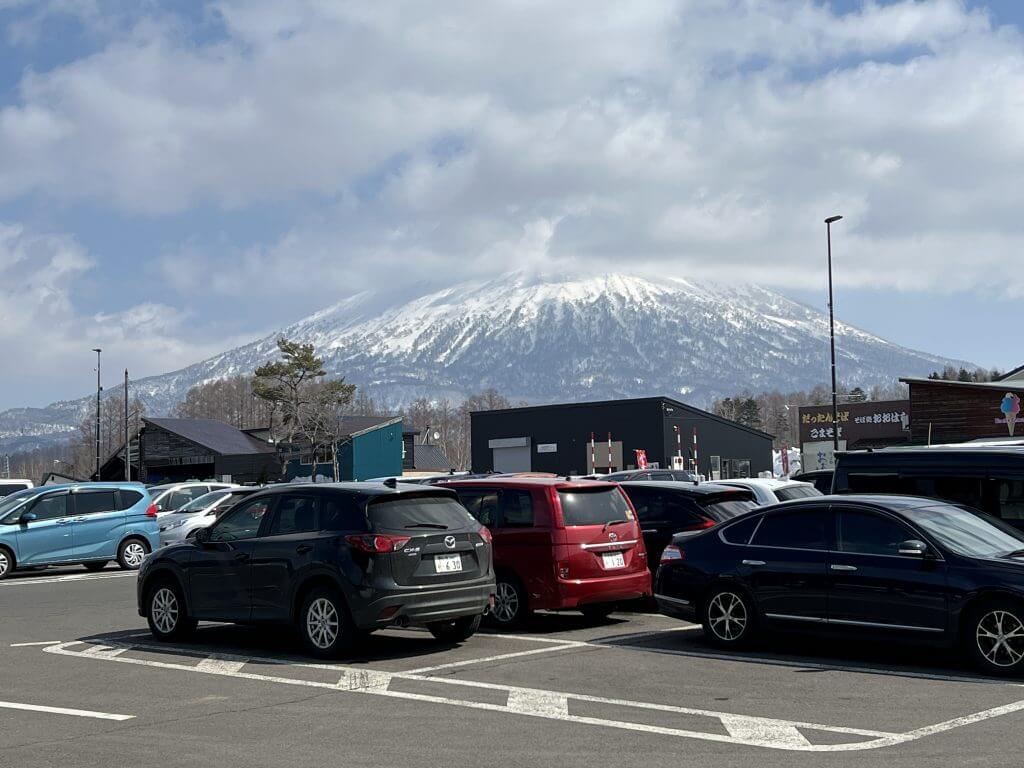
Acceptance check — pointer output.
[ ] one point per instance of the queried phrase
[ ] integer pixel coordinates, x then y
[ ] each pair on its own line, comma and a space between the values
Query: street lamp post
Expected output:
99, 389
832, 337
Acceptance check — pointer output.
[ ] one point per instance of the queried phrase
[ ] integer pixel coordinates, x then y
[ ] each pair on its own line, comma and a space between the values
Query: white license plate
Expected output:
614, 560
447, 563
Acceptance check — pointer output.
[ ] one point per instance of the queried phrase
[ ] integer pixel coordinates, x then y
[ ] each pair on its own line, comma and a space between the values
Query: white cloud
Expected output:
418, 143
48, 336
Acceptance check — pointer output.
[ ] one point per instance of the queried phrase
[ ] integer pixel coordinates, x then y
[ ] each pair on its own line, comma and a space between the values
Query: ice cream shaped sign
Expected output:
1010, 407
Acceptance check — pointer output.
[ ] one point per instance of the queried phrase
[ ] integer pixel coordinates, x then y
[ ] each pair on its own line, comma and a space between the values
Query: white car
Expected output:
768, 491
170, 497
199, 513
9, 486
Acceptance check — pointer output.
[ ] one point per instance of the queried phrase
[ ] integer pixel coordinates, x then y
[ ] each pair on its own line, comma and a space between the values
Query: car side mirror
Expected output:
202, 535
27, 517
914, 548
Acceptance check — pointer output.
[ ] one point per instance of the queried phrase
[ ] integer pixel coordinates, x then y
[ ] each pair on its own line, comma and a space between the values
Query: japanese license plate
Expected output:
614, 560
447, 563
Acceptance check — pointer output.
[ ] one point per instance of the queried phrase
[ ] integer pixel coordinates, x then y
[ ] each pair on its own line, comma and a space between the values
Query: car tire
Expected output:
728, 617
510, 603
131, 552
993, 638
324, 624
7, 563
96, 565
166, 614
597, 611
455, 631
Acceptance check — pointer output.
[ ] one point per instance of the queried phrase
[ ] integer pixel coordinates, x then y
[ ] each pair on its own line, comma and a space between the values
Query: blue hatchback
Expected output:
88, 523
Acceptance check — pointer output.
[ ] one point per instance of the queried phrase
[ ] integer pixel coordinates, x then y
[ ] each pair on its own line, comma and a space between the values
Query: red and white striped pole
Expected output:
696, 462
609, 451
593, 455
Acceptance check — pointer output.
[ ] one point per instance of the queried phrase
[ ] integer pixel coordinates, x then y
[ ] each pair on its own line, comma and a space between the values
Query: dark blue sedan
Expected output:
886, 565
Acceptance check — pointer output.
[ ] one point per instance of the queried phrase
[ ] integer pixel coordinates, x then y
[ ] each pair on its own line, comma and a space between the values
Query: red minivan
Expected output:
558, 544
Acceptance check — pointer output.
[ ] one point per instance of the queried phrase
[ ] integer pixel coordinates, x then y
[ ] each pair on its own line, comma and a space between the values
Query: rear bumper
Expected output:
413, 606
607, 589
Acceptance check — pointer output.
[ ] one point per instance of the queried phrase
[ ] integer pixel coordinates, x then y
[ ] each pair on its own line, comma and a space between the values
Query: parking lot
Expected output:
85, 685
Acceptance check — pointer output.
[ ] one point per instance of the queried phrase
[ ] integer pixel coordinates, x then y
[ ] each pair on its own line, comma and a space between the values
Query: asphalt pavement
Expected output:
83, 684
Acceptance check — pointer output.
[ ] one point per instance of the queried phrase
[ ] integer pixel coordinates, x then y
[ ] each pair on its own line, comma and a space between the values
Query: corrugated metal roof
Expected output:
430, 457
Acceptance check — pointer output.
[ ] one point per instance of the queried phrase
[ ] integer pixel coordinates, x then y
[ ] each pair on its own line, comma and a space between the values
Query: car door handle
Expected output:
63, 522
843, 567
241, 557
303, 549
79, 519
649, 530
754, 562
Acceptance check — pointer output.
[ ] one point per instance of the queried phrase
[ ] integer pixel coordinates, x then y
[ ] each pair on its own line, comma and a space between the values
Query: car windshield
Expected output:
726, 509
968, 533
10, 505
596, 507
202, 502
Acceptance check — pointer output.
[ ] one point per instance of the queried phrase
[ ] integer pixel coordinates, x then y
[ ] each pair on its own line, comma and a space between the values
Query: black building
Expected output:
199, 449
557, 438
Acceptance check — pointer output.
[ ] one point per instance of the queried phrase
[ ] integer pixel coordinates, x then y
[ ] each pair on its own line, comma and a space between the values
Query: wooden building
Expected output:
961, 411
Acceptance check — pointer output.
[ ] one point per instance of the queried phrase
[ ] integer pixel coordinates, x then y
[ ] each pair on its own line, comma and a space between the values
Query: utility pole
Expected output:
99, 389
127, 441
832, 340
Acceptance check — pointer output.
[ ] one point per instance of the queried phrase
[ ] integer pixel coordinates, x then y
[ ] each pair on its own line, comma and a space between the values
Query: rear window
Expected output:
593, 507
790, 492
9, 488
726, 509
418, 513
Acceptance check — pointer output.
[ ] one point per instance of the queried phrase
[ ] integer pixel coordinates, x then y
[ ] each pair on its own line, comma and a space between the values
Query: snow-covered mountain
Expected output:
548, 340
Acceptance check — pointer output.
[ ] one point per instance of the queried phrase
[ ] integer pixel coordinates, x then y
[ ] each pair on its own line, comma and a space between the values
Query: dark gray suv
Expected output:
336, 560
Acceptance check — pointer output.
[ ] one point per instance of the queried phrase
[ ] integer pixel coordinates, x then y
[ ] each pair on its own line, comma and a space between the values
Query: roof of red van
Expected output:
559, 483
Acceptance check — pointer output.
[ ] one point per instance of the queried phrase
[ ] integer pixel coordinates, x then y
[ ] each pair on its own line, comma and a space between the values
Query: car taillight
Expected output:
702, 525
485, 534
151, 511
562, 569
377, 543
671, 552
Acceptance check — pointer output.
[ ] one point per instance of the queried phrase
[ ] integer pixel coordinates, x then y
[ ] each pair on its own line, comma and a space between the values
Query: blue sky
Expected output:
179, 177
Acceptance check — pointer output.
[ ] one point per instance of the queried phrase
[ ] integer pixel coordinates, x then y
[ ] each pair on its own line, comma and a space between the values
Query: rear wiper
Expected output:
613, 522
436, 526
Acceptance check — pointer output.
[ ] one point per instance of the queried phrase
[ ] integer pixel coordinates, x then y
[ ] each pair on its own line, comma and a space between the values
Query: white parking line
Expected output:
498, 657
37, 642
64, 711
28, 582
555, 705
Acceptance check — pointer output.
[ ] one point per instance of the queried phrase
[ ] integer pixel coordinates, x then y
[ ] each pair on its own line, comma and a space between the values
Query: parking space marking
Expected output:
29, 581
64, 711
36, 642
802, 664
217, 663
552, 648
553, 705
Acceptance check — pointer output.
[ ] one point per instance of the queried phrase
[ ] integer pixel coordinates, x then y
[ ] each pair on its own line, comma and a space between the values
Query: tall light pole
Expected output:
832, 337
99, 389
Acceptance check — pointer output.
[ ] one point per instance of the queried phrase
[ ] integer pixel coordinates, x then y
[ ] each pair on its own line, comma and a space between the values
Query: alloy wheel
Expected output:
322, 623
5, 563
506, 602
1000, 638
164, 610
134, 554
727, 616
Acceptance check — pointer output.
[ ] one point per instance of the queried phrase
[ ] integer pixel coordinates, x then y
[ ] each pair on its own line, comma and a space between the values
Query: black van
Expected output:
990, 478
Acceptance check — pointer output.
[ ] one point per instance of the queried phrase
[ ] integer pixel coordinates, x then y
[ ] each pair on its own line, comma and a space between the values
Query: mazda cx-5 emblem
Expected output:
449, 541
612, 537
